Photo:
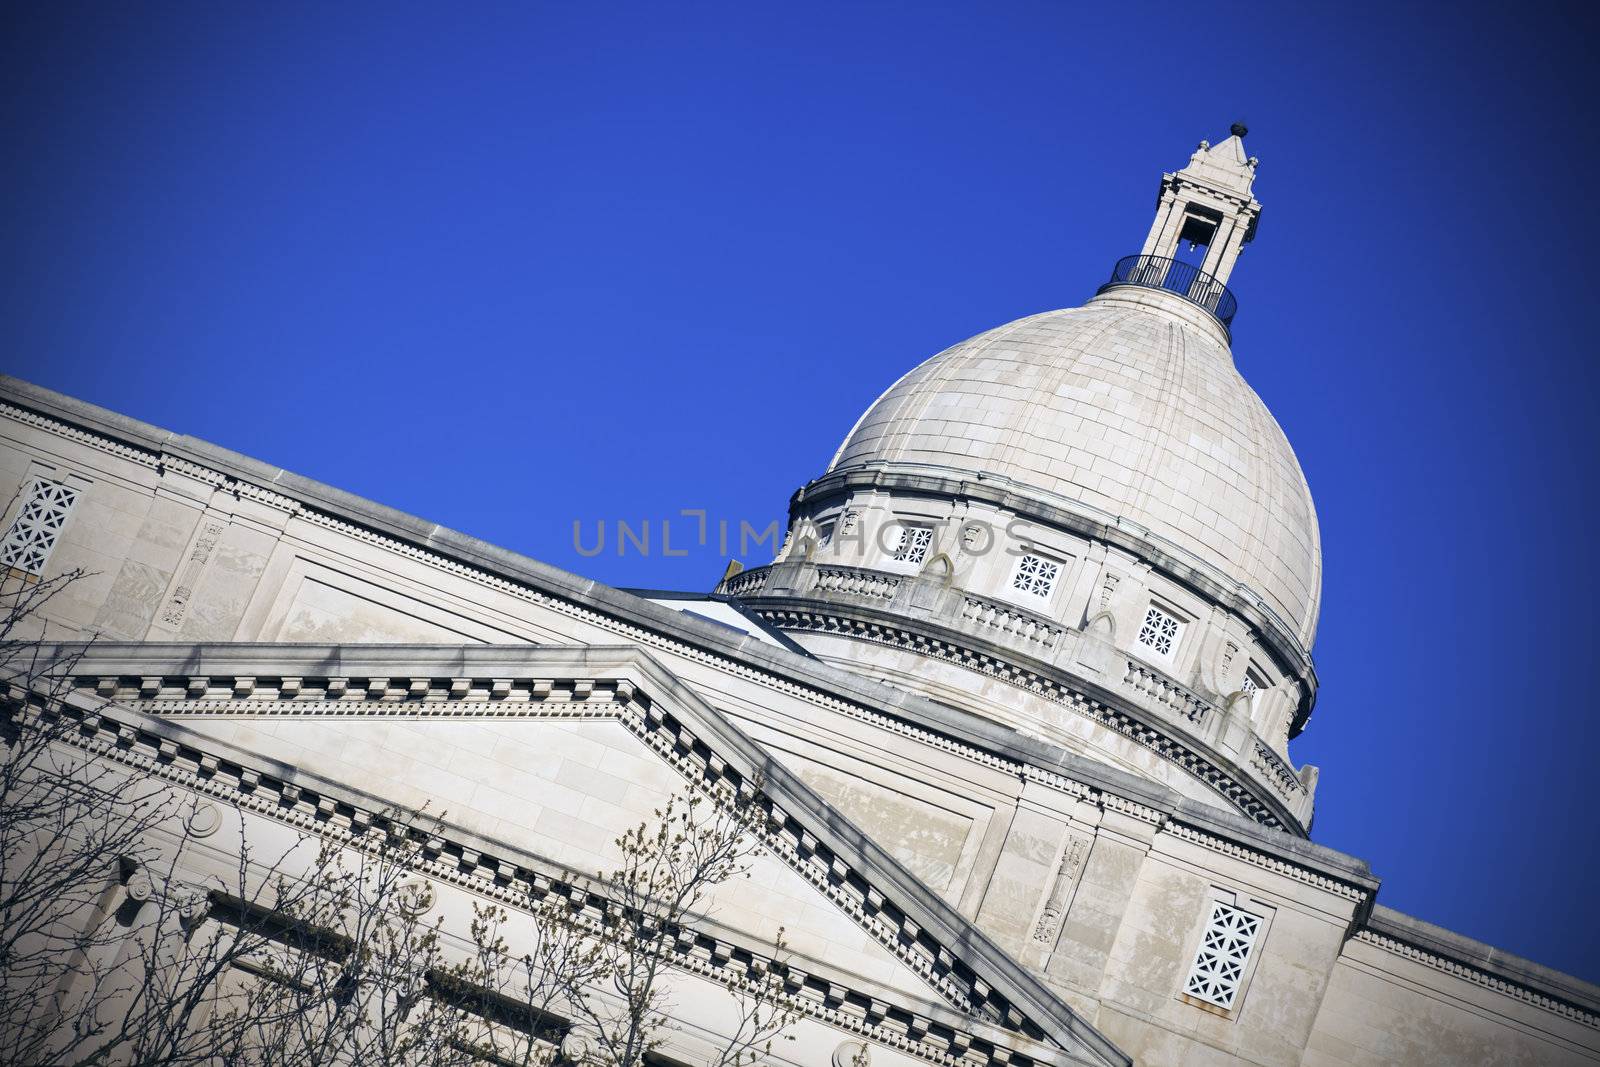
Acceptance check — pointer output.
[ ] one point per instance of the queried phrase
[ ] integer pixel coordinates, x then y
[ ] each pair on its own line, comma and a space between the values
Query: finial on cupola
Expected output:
1238, 129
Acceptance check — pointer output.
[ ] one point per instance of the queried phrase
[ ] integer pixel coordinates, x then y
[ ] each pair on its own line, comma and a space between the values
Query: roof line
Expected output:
965, 727
663, 694
734, 604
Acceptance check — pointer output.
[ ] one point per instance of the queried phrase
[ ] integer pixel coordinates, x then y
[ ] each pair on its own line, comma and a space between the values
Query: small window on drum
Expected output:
1036, 576
914, 544
1160, 632
1255, 682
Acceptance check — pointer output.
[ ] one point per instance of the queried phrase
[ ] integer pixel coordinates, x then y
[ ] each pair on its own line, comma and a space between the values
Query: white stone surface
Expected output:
1134, 412
1059, 860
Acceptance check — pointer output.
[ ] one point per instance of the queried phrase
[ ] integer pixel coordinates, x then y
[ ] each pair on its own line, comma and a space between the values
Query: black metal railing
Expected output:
1176, 276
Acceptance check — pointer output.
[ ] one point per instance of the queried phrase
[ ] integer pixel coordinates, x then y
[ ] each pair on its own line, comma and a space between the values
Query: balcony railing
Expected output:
1176, 276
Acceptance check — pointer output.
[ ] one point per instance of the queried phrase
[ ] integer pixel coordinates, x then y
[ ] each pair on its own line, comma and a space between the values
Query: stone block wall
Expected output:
1098, 881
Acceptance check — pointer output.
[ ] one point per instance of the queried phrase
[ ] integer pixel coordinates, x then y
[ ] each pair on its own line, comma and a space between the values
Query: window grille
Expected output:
45, 508
1160, 631
914, 544
1036, 576
1225, 947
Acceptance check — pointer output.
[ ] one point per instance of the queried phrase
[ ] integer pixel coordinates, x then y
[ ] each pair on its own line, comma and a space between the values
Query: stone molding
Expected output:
1079, 519
905, 918
1104, 708
587, 682
965, 734
1478, 976
376, 517
372, 683
1350, 891
83, 437
537, 583
1483, 965
931, 1036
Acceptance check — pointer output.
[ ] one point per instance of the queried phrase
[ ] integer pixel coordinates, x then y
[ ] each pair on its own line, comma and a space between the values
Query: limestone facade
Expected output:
333, 651
1019, 818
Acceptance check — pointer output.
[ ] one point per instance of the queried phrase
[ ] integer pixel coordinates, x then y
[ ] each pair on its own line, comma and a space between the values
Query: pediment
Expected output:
542, 756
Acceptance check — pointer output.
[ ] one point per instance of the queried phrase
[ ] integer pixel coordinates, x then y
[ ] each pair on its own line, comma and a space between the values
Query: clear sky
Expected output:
511, 267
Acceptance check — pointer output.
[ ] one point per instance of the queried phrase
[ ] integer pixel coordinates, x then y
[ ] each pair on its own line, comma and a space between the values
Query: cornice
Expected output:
630, 617
1483, 965
500, 681
1480, 977
371, 682
1350, 890
491, 869
903, 916
1098, 704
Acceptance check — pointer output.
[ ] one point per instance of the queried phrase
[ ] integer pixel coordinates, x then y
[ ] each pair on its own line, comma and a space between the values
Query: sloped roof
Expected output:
151, 683
121, 433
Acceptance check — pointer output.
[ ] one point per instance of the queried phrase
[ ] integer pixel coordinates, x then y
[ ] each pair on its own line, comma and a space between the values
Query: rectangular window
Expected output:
1160, 632
1036, 576
45, 507
1225, 946
914, 544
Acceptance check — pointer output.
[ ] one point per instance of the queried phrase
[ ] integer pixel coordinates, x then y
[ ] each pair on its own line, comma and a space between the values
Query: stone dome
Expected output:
1128, 408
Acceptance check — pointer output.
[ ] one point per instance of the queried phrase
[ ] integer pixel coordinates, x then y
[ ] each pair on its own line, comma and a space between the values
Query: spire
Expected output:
1205, 214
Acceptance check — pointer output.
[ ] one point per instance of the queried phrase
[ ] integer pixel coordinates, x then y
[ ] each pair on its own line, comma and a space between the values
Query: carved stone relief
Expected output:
178, 603
1048, 927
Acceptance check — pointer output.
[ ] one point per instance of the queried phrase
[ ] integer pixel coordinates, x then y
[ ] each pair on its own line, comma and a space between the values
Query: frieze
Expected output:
1457, 969
178, 604
131, 453
1055, 909
1142, 733
387, 696
1353, 893
449, 861
611, 623
620, 700
648, 638
469, 868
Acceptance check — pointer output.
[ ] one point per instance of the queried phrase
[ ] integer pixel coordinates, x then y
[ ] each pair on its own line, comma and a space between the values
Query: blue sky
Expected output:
517, 266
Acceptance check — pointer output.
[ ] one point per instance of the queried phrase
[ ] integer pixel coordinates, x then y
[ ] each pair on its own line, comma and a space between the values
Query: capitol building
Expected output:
1017, 691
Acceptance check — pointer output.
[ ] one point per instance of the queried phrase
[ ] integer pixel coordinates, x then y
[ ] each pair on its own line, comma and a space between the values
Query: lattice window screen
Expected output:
1224, 949
1160, 631
914, 544
45, 507
1036, 576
